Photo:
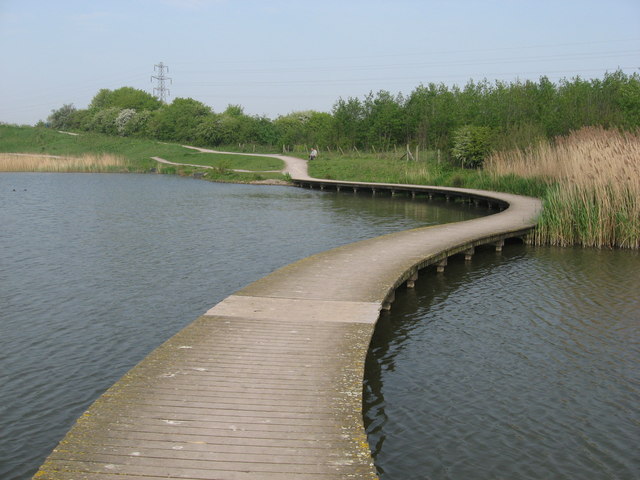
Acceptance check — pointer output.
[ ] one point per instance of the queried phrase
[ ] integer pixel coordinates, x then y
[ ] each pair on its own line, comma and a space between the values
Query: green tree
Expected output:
125, 97
262, 130
234, 110
384, 120
431, 113
319, 129
81, 120
179, 121
547, 103
348, 122
628, 101
307, 127
292, 129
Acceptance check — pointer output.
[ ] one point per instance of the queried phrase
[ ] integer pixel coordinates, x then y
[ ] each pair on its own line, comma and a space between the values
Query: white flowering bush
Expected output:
471, 145
123, 119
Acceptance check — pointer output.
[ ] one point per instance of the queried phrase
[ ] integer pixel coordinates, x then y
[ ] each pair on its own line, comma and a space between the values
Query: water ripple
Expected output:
521, 366
97, 270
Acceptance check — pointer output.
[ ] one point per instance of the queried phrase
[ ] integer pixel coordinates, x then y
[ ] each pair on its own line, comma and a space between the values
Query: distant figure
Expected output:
313, 154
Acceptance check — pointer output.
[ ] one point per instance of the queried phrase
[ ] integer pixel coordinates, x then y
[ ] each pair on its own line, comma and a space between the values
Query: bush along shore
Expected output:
589, 180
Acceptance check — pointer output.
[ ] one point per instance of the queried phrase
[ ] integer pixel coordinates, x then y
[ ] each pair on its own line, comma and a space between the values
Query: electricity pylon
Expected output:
161, 92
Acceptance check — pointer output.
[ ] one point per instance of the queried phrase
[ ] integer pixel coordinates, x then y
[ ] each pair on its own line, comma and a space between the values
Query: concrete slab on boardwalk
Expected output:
293, 309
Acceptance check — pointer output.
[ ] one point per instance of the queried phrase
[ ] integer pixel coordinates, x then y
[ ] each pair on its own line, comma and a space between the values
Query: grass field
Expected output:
389, 168
124, 154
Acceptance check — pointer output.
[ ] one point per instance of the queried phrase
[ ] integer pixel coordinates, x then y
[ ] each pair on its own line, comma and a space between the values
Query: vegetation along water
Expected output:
575, 141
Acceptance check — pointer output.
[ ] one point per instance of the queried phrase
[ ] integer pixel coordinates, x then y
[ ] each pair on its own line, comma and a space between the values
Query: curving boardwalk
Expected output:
268, 383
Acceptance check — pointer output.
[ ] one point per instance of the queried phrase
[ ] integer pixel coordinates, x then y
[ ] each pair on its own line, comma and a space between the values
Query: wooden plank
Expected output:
176, 468
291, 419
243, 446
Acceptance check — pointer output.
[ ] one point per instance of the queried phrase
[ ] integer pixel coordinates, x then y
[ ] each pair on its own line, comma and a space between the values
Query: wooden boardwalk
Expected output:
268, 383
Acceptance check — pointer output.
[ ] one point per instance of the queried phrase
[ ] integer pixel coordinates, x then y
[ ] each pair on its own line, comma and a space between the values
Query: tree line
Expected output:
482, 115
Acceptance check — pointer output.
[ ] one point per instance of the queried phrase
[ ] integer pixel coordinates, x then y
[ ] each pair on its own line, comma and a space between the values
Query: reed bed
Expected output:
12, 162
593, 197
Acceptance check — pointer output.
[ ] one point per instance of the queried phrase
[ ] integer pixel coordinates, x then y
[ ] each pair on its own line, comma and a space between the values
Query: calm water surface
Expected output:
523, 365
97, 270
520, 365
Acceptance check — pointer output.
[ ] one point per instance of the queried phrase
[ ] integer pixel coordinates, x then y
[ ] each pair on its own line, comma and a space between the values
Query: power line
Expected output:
161, 91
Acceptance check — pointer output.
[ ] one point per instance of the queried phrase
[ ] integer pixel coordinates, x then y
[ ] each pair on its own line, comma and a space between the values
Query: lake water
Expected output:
98, 270
520, 365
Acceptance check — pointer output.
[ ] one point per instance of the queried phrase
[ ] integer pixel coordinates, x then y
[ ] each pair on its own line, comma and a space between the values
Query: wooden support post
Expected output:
468, 254
411, 282
440, 265
386, 305
499, 244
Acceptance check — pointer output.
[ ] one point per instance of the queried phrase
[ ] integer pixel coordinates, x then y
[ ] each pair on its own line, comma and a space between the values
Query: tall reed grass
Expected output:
11, 162
593, 197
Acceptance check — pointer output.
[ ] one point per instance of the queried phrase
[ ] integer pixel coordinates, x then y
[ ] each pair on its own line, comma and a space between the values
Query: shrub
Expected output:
122, 120
471, 145
63, 117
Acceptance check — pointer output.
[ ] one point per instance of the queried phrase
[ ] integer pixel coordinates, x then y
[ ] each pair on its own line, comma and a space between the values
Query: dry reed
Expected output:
13, 162
594, 194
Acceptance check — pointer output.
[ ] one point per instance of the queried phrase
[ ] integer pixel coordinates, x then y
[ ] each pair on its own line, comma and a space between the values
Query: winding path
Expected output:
295, 167
267, 384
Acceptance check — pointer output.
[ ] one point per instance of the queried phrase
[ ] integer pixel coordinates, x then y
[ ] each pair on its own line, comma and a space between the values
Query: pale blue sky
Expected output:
278, 56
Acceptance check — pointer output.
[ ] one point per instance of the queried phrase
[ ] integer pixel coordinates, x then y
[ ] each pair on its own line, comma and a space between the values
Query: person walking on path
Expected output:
313, 154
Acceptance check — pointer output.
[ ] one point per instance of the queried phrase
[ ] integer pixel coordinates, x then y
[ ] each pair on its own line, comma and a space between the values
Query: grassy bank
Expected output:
589, 182
90, 152
387, 167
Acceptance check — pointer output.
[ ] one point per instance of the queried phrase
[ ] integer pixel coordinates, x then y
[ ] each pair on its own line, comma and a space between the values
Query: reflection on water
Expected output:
97, 270
524, 365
